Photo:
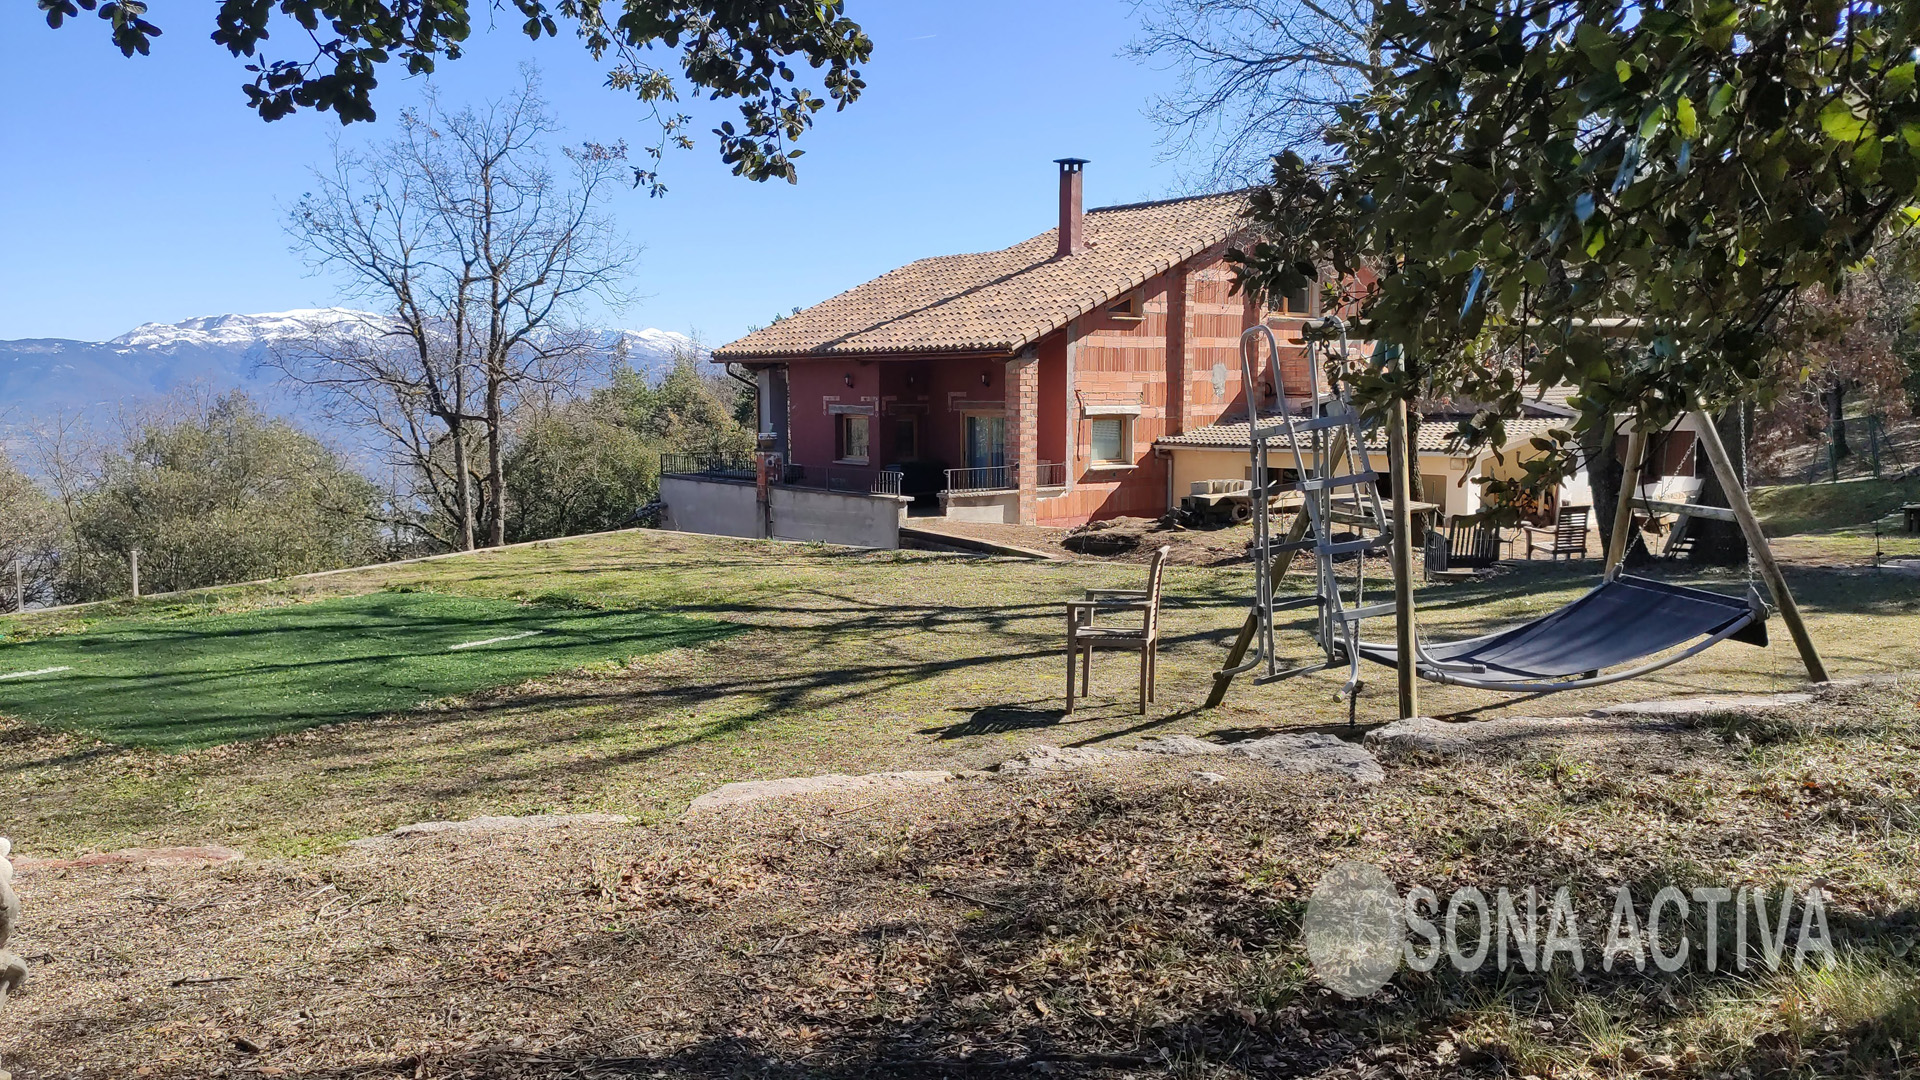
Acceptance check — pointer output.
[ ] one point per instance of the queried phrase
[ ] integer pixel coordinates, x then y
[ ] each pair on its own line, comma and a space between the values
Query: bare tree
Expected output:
1254, 76
459, 232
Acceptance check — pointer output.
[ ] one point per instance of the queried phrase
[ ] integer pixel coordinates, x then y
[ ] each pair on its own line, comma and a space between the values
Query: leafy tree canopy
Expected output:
1520, 172
742, 49
214, 491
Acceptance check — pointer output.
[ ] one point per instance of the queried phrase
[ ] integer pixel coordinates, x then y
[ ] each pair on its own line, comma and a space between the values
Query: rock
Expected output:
1053, 759
1424, 735
1706, 706
152, 858
1180, 745
1211, 777
748, 791
488, 825
1313, 755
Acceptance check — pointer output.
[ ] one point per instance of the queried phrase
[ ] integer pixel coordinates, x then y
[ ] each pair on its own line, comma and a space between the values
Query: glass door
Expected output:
986, 441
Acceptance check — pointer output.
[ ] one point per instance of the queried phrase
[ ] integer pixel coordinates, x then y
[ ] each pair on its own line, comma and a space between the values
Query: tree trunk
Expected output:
463, 482
496, 470
1836, 400
1603, 476
1722, 543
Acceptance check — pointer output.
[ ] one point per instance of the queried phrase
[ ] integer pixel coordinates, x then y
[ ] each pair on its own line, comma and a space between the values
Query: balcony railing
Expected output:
985, 478
1050, 474
854, 478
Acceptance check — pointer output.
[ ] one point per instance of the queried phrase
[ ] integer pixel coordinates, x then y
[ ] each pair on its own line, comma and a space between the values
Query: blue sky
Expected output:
142, 190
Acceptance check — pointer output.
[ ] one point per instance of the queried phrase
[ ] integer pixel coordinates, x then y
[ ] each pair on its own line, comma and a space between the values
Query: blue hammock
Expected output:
1622, 620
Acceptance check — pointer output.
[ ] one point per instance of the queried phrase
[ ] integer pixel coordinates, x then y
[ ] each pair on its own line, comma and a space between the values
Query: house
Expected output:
1023, 385
1090, 372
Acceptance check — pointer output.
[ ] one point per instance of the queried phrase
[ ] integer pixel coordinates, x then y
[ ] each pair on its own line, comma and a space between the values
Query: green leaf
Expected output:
1683, 112
1839, 122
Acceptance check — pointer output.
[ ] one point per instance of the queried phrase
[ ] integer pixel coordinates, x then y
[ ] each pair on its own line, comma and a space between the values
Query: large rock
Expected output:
1676, 708
1420, 735
1181, 746
487, 825
1313, 754
1299, 755
1056, 759
749, 791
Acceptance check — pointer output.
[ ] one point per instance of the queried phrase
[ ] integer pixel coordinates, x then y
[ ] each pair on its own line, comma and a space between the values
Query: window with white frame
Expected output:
1112, 440
850, 438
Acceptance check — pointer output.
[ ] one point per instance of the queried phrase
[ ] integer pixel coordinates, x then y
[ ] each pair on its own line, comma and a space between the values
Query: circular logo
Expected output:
1354, 929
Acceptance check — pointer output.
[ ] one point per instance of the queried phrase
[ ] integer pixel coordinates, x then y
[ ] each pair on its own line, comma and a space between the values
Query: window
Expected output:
906, 438
1127, 310
986, 441
1112, 444
1299, 301
850, 438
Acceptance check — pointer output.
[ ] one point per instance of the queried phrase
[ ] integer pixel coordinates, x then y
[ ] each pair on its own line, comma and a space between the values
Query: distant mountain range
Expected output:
221, 352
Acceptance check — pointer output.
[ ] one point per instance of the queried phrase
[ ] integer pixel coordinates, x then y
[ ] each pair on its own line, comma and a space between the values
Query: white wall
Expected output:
732, 508
715, 507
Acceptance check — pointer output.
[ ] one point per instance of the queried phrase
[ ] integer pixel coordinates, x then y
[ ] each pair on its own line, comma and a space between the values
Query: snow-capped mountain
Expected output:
39, 376
243, 331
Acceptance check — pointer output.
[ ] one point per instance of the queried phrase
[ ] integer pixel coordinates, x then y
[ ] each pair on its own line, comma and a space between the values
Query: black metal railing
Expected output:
984, 478
1050, 474
706, 464
855, 479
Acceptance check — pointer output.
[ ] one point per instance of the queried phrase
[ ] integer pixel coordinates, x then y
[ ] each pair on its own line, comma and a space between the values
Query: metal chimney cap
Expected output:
1071, 164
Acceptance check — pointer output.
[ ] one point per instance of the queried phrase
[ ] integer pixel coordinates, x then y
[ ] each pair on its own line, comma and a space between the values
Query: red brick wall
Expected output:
937, 392
1023, 428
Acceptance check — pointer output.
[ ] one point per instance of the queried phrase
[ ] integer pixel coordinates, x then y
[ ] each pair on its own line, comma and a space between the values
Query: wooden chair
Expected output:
1084, 636
1566, 536
1472, 545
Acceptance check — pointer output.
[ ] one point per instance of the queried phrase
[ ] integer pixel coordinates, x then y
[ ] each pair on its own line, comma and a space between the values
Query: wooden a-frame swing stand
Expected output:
1402, 555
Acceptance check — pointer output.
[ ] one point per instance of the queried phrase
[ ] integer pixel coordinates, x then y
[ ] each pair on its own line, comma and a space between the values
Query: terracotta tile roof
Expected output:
1435, 437
1000, 301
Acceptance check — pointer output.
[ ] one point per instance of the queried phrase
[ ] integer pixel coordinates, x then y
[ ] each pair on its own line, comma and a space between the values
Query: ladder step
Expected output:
1349, 546
1291, 673
1297, 602
1325, 482
1371, 611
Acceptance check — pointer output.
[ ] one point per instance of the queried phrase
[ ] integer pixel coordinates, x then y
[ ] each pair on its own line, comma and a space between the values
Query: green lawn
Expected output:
191, 682
1787, 509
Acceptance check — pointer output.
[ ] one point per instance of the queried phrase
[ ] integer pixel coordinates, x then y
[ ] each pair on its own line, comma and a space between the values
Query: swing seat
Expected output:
1624, 619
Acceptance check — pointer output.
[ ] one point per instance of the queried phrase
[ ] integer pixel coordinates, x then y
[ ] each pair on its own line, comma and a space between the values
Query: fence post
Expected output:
133, 561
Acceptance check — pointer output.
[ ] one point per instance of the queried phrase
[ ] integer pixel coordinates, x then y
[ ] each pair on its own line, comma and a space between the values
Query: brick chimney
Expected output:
1073, 237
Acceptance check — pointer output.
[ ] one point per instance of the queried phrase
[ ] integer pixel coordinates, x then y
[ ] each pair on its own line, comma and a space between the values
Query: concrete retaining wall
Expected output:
715, 507
731, 508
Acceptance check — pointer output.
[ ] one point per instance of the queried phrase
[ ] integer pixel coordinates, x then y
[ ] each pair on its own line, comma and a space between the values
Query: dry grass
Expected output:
852, 662
1132, 922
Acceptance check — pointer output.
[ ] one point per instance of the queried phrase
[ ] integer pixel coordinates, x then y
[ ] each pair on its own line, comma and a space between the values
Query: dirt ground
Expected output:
1131, 921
